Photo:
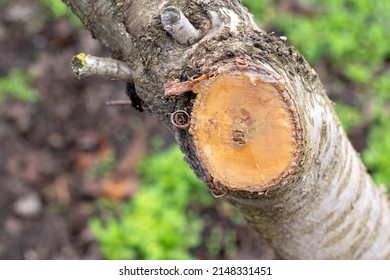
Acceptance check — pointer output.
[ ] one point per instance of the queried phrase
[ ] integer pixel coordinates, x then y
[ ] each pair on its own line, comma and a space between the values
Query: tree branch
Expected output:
104, 67
262, 133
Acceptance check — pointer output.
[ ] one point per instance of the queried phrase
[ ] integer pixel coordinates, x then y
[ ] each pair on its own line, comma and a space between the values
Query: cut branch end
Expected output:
245, 130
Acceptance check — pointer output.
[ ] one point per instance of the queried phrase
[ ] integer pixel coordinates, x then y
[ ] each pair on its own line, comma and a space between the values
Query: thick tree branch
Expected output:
262, 132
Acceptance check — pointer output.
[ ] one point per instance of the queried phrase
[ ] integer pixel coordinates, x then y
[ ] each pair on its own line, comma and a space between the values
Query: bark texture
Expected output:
328, 207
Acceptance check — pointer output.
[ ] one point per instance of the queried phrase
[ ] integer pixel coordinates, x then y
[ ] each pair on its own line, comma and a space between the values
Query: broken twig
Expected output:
84, 65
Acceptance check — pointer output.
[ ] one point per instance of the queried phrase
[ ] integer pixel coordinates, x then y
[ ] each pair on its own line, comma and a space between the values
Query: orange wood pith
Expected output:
245, 130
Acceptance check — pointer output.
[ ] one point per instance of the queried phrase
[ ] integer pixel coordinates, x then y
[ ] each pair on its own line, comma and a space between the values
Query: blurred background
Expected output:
80, 180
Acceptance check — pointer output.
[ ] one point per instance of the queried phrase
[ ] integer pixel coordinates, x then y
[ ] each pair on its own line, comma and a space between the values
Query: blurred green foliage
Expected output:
157, 222
347, 40
262, 10
218, 237
377, 155
18, 84
350, 33
59, 10
349, 116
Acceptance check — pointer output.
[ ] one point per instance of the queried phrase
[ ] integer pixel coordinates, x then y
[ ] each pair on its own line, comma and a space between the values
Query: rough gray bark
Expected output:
328, 208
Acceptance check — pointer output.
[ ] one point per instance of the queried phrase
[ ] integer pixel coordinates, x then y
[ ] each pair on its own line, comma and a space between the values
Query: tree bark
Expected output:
286, 165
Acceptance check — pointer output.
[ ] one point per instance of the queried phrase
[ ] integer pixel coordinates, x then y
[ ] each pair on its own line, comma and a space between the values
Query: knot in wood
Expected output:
239, 138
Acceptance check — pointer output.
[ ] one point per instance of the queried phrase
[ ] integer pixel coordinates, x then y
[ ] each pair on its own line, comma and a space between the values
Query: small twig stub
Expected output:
84, 65
180, 28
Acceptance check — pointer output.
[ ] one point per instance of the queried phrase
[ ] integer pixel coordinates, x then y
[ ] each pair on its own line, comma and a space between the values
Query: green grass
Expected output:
18, 84
158, 222
377, 155
349, 116
58, 10
262, 10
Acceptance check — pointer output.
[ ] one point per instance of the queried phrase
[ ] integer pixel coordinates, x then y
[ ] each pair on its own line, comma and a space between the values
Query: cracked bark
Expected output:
323, 205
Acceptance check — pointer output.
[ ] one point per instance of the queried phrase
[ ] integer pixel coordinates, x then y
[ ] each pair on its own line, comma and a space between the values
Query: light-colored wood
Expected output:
244, 130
